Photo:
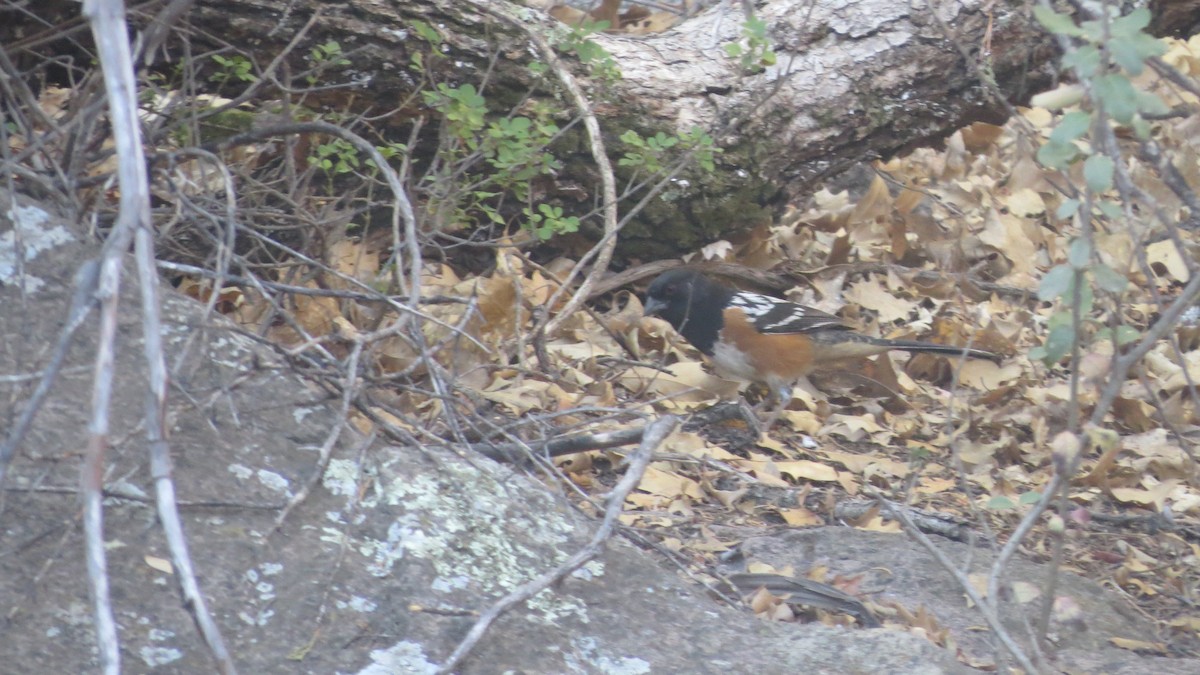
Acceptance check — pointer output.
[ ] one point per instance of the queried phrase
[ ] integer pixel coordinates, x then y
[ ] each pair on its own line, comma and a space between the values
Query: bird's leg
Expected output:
750, 414
783, 396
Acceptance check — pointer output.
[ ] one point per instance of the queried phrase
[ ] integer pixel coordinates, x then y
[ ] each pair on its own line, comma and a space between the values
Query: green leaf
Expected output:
1085, 60
1123, 335
1117, 94
1109, 279
1150, 104
1072, 126
755, 27
1087, 298
1056, 283
1029, 498
1058, 343
1067, 209
1147, 46
1141, 128
1079, 253
1098, 173
1054, 22
569, 225
1130, 24
1054, 155
1000, 502
1110, 209
1127, 335
1059, 318
1125, 53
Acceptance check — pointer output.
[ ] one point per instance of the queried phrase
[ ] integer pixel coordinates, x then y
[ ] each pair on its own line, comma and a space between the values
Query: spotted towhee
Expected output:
763, 339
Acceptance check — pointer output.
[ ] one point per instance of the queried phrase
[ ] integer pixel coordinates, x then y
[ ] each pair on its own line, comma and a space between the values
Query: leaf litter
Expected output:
944, 245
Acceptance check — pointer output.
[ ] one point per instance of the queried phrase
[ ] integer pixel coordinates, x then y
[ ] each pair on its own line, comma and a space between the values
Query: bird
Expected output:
759, 338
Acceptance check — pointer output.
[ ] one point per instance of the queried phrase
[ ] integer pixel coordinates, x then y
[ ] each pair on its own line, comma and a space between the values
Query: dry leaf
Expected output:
1165, 254
1139, 645
1025, 203
806, 470
665, 484
801, 517
871, 295
161, 564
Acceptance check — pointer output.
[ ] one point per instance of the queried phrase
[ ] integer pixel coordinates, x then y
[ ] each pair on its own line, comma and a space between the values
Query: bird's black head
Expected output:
672, 293
691, 303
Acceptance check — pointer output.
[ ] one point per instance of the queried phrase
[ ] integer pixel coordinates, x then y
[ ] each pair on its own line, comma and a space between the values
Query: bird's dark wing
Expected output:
772, 315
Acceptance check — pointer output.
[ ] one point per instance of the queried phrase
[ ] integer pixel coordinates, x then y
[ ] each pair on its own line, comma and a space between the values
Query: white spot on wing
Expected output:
796, 316
755, 305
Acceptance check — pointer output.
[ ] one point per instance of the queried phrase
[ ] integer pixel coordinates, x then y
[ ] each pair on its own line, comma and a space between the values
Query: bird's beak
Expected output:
653, 307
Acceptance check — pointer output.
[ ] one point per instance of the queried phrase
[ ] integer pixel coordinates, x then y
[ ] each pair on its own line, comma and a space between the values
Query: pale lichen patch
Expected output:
461, 521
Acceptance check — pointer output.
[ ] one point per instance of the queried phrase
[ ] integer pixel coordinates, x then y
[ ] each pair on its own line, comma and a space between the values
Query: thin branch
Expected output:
159, 28
192, 270
603, 250
402, 210
638, 461
564, 445
932, 522
87, 278
107, 18
985, 605
349, 391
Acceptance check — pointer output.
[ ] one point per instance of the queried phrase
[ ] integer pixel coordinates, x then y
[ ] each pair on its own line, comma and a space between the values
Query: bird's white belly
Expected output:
732, 362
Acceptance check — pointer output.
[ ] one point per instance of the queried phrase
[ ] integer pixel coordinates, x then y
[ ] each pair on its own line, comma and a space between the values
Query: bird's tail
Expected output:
934, 348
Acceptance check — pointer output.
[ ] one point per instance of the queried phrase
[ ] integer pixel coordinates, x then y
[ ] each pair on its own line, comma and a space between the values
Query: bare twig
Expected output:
603, 251
638, 461
785, 276
402, 210
107, 18
1054, 565
1121, 366
931, 522
82, 301
159, 27
125, 495
92, 478
192, 270
987, 606
349, 391
803, 592
343, 549
565, 445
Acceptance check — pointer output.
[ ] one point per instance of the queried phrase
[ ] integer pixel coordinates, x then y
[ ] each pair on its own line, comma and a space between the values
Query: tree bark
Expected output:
853, 80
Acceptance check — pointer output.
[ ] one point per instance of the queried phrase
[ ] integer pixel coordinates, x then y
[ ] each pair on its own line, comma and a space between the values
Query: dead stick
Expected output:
655, 433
